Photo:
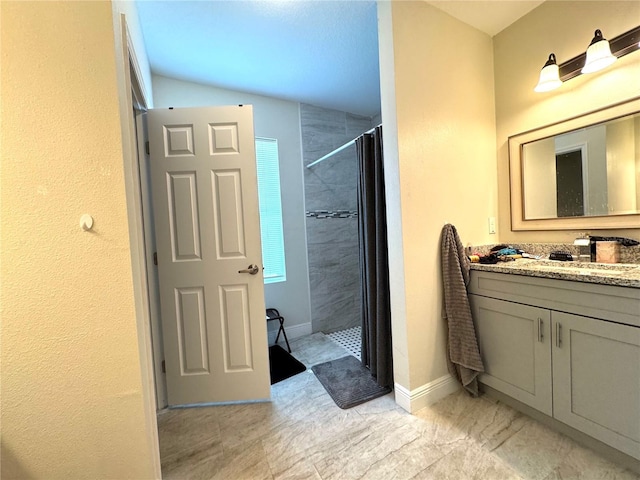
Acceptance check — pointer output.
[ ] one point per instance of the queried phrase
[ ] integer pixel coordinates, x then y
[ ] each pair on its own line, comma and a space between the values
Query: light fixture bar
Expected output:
620, 46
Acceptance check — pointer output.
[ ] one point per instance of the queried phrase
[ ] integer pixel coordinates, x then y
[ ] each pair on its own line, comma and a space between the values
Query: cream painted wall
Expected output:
637, 145
442, 115
520, 51
539, 168
273, 118
393, 198
72, 395
621, 166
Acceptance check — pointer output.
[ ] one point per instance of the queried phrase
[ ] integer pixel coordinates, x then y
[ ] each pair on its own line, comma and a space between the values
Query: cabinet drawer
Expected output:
617, 304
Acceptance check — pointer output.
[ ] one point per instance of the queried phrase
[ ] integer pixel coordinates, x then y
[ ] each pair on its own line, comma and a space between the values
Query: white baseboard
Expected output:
293, 331
296, 331
427, 394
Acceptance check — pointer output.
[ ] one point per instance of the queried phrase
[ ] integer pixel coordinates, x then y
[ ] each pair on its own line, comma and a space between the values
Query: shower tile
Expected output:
326, 283
329, 280
325, 196
320, 119
328, 275
331, 309
333, 284
318, 144
335, 319
316, 348
337, 170
357, 124
332, 231
332, 243
337, 277
328, 255
350, 339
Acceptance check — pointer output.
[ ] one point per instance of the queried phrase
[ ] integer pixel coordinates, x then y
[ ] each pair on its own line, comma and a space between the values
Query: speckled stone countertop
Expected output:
622, 275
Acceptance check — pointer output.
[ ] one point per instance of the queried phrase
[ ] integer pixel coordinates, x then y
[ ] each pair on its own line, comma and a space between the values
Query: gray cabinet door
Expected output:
596, 379
515, 345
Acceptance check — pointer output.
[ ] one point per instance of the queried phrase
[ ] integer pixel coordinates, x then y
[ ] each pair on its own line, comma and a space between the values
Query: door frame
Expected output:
582, 147
130, 85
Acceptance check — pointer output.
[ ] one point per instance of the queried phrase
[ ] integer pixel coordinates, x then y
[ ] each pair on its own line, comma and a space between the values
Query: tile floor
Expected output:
350, 339
302, 434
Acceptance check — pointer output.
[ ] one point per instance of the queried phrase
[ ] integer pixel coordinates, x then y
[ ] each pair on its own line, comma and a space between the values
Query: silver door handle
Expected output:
540, 327
252, 270
558, 335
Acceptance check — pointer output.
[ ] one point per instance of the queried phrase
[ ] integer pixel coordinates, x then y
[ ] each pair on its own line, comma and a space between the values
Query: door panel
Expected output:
183, 216
514, 343
227, 199
236, 328
204, 186
596, 379
192, 331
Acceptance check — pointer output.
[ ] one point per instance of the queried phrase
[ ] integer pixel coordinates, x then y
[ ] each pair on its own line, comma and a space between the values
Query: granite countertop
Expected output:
622, 275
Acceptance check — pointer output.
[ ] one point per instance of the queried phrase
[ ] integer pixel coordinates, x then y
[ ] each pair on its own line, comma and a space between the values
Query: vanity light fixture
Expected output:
599, 55
549, 76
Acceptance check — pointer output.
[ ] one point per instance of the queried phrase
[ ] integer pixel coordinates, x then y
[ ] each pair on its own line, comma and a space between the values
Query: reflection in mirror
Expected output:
591, 171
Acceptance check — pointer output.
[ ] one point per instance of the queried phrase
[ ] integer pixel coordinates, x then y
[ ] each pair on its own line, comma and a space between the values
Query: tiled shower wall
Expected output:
332, 228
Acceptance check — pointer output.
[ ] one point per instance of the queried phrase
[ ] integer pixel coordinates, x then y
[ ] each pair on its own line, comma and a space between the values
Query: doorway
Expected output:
293, 301
570, 183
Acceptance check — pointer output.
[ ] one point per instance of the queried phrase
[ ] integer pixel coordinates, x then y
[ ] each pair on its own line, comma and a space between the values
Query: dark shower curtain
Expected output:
374, 262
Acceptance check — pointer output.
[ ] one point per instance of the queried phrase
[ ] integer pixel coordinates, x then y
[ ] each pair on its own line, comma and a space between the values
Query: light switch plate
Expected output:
492, 225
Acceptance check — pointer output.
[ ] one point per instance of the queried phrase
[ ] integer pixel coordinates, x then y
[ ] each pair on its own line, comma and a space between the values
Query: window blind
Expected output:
270, 200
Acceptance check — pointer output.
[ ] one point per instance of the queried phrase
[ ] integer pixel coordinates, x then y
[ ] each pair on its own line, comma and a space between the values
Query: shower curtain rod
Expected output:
339, 149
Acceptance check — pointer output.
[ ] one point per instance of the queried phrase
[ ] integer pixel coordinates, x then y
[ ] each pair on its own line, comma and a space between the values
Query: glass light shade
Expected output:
599, 54
549, 76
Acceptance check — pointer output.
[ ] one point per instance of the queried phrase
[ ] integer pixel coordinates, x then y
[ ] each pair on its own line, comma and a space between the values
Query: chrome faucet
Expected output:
584, 247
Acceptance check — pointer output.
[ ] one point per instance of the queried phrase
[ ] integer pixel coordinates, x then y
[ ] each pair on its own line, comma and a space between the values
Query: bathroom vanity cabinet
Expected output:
568, 349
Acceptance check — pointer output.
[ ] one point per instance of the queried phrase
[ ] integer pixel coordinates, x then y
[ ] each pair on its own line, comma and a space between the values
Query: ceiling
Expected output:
321, 52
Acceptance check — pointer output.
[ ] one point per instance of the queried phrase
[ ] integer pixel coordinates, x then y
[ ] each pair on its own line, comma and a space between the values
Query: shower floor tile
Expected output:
349, 339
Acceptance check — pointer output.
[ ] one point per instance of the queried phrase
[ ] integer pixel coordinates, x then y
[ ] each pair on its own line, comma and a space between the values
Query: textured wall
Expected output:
520, 51
72, 403
332, 241
444, 170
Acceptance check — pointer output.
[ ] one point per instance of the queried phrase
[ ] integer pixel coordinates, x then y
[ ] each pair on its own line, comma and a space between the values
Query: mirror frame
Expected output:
516, 180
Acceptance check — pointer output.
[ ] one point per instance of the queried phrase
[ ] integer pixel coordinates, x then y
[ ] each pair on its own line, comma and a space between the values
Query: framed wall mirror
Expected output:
579, 174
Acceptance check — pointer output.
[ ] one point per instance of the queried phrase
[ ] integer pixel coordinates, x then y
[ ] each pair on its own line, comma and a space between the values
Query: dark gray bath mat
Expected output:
348, 382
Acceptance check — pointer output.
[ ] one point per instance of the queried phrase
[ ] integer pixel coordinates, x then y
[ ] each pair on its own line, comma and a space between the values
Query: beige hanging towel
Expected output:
463, 354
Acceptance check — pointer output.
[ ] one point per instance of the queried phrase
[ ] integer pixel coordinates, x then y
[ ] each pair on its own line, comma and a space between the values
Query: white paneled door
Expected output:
207, 224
